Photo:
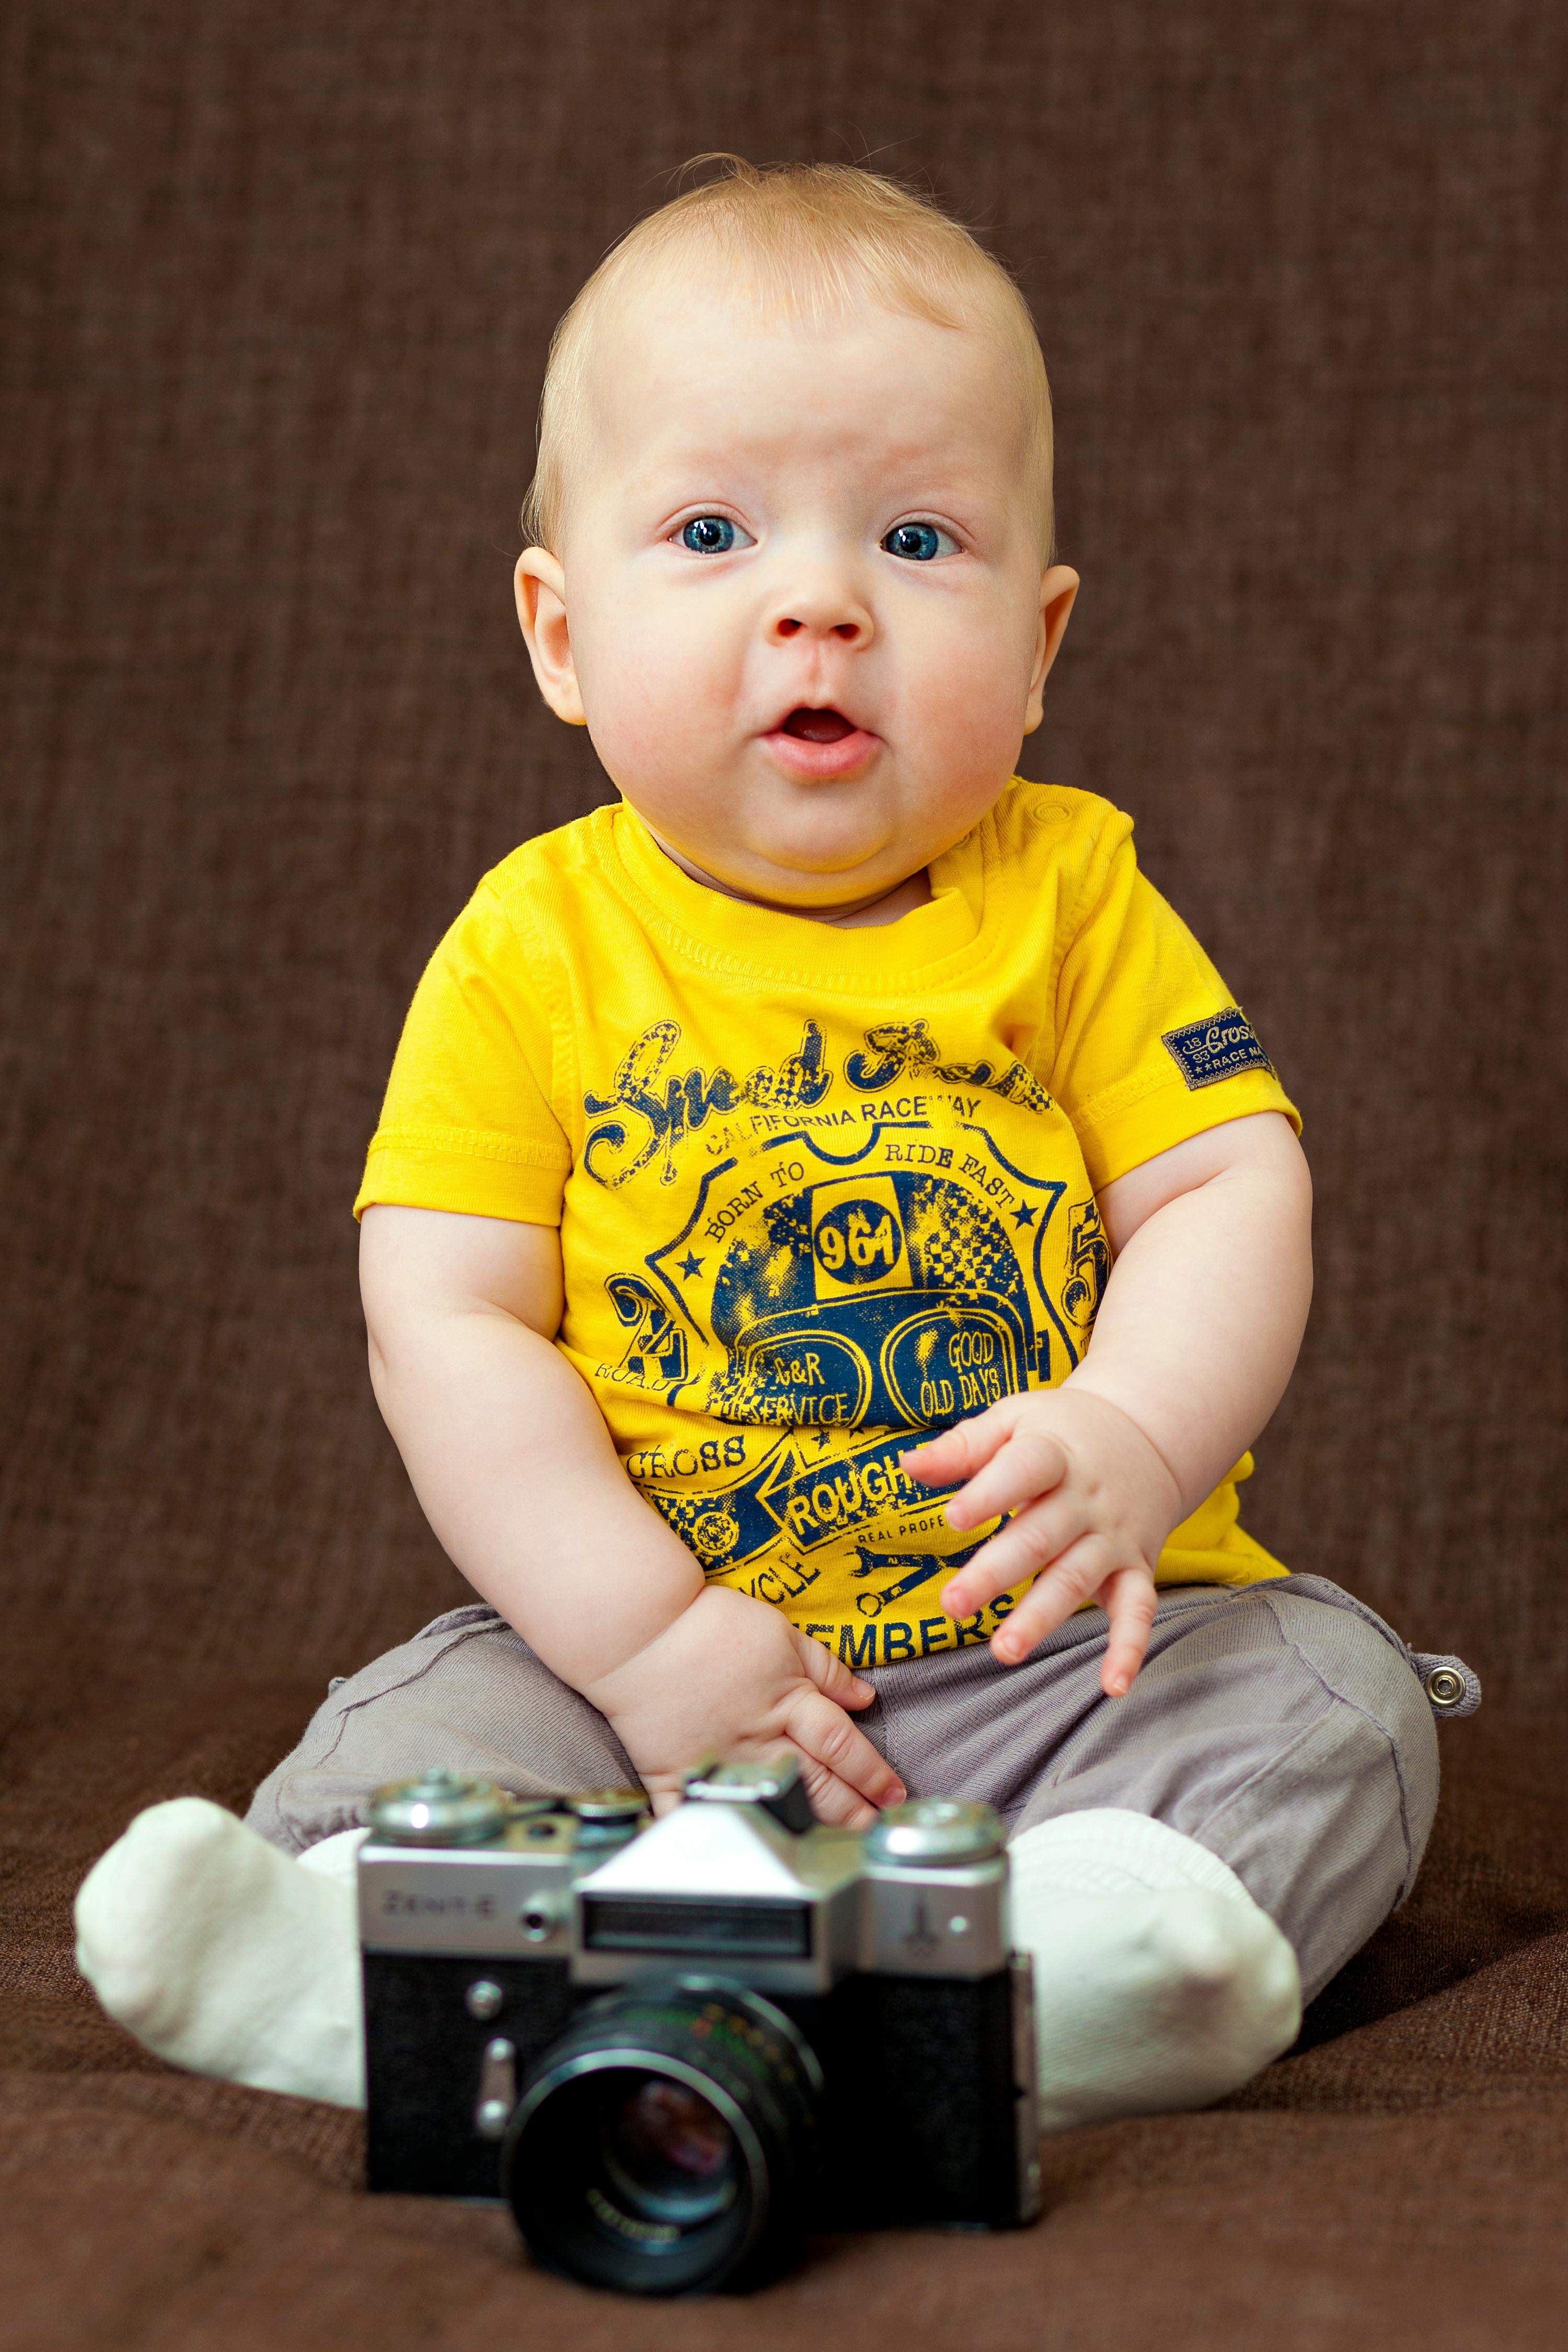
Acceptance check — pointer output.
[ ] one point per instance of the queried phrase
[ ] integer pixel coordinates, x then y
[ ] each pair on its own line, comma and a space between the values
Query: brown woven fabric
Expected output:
279, 280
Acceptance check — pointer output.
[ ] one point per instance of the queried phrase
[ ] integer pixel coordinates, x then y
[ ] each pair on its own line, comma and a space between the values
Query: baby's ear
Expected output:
1059, 588
540, 582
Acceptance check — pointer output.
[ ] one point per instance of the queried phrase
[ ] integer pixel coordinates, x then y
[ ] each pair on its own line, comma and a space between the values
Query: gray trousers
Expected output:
1283, 1726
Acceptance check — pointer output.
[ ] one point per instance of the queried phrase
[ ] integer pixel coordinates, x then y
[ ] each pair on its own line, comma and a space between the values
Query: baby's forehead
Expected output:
680, 291
728, 340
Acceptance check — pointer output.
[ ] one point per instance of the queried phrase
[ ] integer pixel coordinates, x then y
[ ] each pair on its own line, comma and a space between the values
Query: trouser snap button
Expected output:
1445, 1687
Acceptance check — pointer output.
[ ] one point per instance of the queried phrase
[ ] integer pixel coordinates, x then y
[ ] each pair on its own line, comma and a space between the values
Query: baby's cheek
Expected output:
660, 711
962, 691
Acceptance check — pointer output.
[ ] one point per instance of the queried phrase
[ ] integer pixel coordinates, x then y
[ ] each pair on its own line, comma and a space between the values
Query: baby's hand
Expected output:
1091, 1501
733, 1674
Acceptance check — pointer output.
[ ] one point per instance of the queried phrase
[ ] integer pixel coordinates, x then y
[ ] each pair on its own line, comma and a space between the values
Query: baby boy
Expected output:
831, 1236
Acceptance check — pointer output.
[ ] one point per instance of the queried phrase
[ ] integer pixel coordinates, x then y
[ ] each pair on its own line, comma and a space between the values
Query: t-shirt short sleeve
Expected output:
1151, 1047
467, 1124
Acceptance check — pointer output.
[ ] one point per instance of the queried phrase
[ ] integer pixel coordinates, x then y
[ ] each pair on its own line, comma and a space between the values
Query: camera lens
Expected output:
665, 2146
670, 2155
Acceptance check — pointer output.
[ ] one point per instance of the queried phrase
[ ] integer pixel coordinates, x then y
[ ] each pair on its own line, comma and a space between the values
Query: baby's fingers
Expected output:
1073, 1575
831, 1801
830, 1674
962, 1450
844, 1772
1030, 1463
1129, 1600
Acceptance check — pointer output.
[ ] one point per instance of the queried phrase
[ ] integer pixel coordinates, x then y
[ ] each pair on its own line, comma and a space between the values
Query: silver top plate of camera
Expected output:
725, 1879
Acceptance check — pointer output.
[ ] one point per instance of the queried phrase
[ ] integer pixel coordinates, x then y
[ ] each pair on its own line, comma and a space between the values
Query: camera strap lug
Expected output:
1025, 2082
497, 2088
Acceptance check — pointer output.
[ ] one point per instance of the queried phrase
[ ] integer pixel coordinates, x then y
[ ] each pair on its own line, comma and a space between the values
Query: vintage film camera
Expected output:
675, 2048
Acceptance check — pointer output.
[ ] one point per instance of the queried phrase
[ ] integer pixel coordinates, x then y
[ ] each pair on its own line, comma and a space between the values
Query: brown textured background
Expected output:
279, 280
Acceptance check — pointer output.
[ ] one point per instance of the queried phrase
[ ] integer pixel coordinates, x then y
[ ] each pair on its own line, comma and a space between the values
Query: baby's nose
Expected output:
787, 625
809, 616
817, 593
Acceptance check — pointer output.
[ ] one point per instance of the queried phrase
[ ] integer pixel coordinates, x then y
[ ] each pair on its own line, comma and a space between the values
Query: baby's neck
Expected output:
859, 914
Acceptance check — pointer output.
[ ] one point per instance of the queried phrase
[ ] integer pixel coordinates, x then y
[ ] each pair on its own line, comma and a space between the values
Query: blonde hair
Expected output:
815, 238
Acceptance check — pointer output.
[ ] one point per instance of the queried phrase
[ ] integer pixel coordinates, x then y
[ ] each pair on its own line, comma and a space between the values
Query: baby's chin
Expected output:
776, 882
827, 875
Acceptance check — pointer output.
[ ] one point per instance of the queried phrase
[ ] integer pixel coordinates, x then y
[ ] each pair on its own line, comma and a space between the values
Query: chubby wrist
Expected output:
668, 1650
1084, 1388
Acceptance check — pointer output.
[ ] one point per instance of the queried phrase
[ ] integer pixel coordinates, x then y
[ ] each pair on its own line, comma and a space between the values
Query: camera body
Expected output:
760, 2024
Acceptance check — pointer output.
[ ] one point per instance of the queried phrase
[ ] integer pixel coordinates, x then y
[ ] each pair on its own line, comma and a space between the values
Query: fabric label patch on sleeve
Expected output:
1221, 1047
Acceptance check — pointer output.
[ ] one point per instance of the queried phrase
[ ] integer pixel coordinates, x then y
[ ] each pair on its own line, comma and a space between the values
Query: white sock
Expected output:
1159, 1982
227, 1956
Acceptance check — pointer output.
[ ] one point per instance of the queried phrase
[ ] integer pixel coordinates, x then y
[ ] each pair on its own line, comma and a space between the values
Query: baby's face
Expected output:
799, 601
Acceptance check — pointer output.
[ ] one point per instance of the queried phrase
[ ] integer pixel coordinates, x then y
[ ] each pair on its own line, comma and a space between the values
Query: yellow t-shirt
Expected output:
821, 1191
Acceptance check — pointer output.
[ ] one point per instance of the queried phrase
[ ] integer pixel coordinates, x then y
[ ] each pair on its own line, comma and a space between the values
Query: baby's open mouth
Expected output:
817, 726
819, 746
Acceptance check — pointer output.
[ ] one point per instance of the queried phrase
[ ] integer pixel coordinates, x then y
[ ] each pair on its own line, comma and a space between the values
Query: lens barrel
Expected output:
666, 2142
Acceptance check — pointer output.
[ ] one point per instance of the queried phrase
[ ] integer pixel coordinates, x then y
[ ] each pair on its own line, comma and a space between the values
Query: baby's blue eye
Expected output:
919, 542
709, 535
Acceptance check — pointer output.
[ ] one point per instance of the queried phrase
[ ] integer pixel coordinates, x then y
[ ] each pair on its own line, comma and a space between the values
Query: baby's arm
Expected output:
1192, 1346
513, 1463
